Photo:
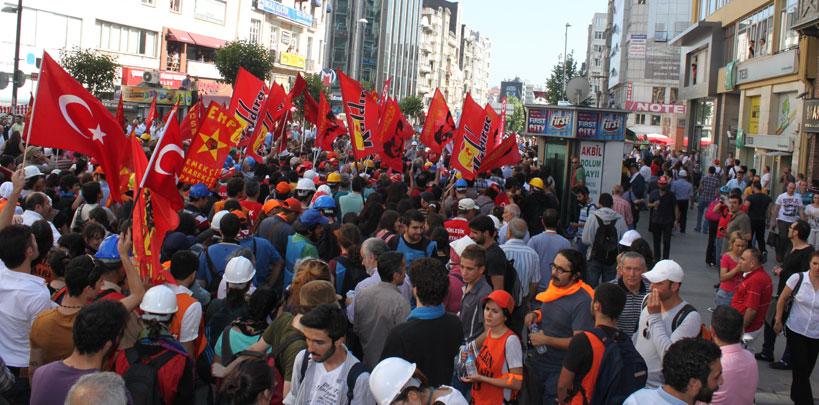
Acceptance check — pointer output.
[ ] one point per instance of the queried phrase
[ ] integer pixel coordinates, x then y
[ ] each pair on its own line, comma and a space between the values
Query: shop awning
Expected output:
180, 36
206, 41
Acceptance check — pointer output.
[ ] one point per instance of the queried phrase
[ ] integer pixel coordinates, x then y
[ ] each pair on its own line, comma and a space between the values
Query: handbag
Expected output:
773, 239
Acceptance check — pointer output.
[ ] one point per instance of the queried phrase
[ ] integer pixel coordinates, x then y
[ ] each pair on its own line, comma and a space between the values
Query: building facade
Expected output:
747, 76
438, 60
476, 52
595, 55
644, 65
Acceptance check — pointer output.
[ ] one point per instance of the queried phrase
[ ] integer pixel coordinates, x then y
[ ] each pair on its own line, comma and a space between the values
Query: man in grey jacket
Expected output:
326, 372
602, 258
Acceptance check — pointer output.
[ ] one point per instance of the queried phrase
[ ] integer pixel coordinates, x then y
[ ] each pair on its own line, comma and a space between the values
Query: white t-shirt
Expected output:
804, 316
653, 345
788, 207
327, 386
453, 398
765, 180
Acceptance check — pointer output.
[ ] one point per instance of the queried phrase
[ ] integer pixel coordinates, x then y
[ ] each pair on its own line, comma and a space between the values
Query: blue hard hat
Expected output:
199, 190
108, 249
461, 183
724, 190
312, 217
324, 202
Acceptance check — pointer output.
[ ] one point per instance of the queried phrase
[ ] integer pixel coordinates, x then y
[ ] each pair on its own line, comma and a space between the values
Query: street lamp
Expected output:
357, 47
19, 11
565, 43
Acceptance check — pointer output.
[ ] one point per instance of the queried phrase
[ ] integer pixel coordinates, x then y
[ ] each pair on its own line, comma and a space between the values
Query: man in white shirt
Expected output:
659, 325
765, 180
190, 331
645, 171
370, 250
38, 206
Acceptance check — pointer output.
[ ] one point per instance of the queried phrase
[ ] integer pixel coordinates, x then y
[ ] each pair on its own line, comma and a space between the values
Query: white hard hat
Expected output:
239, 270
389, 377
217, 219
306, 184
159, 300
310, 174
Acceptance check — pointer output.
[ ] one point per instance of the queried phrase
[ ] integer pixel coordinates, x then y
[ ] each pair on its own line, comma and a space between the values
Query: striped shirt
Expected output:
526, 262
630, 317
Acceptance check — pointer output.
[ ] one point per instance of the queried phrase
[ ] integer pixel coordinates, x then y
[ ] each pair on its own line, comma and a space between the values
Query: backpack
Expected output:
605, 247
272, 359
142, 380
80, 222
622, 370
352, 375
680, 317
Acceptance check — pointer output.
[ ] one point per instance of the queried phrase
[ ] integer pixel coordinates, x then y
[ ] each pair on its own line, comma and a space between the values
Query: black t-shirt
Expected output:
663, 214
495, 262
796, 261
579, 356
431, 344
758, 205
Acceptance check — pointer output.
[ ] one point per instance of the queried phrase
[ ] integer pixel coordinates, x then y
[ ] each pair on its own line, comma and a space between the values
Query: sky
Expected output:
527, 35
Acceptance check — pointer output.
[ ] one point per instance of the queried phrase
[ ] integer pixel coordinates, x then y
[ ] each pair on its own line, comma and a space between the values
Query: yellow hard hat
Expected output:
334, 177
369, 163
458, 175
536, 182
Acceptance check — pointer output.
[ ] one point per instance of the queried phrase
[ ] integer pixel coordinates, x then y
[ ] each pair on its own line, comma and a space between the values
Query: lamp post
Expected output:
19, 11
565, 43
354, 65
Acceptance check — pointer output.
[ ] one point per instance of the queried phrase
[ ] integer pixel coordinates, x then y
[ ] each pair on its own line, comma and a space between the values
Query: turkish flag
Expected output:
471, 139
219, 132
166, 163
68, 117
274, 107
362, 116
329, 127
439, 125
190, 124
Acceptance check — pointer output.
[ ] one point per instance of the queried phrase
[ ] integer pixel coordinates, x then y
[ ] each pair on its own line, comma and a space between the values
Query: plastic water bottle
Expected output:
542, 348
469, 365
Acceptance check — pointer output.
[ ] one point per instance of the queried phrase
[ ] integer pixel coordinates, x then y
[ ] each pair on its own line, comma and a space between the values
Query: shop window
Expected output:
656, 120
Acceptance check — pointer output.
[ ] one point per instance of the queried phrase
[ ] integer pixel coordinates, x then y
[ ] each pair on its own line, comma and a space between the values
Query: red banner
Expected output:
439, 125
248, 96
329, 127
471, 139
275, 105
210, 147
190, 124
362, 116
392, 144
505, 153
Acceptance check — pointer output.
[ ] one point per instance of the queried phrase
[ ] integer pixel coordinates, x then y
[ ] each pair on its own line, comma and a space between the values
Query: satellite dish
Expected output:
577, 90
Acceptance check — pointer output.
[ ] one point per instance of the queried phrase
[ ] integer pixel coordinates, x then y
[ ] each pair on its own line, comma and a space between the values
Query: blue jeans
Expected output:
723, 297
596, 270
718, 248
546, 376
701, 206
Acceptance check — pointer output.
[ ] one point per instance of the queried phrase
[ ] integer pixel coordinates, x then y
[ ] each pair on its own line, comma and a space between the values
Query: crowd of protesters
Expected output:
310, 278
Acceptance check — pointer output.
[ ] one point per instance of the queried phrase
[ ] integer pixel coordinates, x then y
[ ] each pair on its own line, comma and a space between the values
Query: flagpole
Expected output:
156, 149
33, 108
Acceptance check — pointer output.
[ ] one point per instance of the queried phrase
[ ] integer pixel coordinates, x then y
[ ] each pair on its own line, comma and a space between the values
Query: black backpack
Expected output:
622, 370
605, 246
352, 374
141, 378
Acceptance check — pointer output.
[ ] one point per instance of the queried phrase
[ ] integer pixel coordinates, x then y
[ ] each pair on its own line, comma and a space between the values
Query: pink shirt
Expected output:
622, 207
740, 376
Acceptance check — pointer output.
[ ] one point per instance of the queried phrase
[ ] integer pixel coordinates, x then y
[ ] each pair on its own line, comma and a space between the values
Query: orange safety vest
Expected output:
183, 302
490, 362
586, 389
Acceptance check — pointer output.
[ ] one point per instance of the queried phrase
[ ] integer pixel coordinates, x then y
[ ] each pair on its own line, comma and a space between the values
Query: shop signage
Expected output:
560, 123
637, 46
292, 59
135, 94
810, 118
656, 108
288, 13
766, 67
536, 121
611, 127
591, 157
587, 124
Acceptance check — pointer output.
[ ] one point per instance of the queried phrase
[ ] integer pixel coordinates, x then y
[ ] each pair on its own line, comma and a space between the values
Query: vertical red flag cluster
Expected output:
478, 146
439, 126
362, 116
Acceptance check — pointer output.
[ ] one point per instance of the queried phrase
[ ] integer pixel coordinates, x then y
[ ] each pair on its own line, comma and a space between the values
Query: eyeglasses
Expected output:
560, 270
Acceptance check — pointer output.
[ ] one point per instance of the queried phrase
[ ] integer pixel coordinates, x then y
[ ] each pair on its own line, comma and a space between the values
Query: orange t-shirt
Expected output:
51, 333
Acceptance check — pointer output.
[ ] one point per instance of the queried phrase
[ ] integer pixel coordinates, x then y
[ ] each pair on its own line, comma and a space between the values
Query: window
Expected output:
149, 2
255, 31
596, 62
641, 2
658, 95
655, 120
640, 119
673, 95
599, 35
660, 33
754, 34
274, 38
788, 38
122, 39
175, 6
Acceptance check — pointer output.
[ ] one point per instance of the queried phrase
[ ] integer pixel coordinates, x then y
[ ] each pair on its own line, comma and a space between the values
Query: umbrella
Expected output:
659, 138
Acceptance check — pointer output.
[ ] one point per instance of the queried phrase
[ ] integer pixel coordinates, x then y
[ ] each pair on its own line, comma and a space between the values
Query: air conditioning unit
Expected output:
151, 76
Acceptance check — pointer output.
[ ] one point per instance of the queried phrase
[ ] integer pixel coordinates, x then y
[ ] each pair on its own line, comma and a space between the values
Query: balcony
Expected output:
203, 70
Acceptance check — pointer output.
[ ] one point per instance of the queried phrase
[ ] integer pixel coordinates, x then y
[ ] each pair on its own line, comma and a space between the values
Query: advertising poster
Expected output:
560, 123
611, 127
591, 157
586, 124
536, 122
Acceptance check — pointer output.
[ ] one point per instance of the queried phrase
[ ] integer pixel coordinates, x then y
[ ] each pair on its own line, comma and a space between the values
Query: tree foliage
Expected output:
412, 106
516, 122
96, 71
556, 82
255, 58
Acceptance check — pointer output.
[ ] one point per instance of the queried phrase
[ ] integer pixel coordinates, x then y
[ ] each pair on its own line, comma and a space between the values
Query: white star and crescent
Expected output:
97, 134
171, 147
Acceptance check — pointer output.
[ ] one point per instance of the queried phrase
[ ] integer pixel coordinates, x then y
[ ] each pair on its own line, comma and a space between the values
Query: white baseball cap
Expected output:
629, 237
665, 270
467, 204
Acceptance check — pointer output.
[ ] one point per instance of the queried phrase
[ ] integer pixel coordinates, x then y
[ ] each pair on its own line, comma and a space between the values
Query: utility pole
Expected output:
604, 99
565, 43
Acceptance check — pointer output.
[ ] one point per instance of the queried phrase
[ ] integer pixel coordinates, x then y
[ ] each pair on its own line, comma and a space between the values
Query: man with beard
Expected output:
97, 330
664, 213
692, 372
325, 372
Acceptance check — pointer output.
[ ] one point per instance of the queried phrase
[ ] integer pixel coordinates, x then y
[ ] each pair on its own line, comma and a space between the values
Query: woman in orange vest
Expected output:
499, 358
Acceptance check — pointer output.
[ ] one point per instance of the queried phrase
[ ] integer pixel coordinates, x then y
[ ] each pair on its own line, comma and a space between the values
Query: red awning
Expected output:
206, 41
180, 36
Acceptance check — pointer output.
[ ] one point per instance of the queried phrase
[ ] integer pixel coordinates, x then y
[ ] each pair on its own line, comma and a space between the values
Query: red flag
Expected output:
218, 133
298, 87
120, 112
439, 125
190, 124
67, 116
329, 127
502, 127
505, 153
494, 137
392, 142
152, 114
362, 116
471, 139
165, 164
274, 107
385, 91
311, 108
248, 96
